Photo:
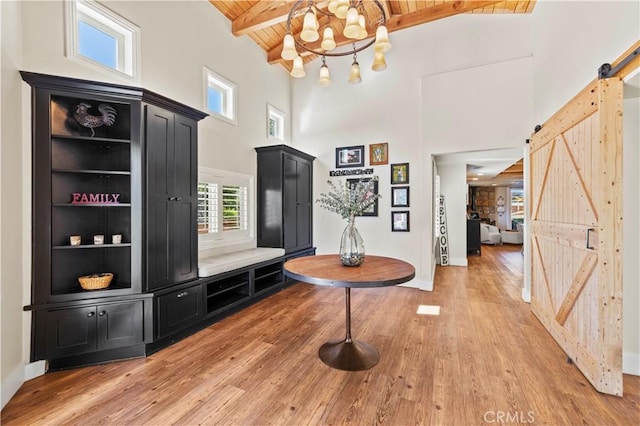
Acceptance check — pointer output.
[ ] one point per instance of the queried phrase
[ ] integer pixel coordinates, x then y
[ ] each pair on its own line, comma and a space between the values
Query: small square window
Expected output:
98, 36
275, 123
220, 96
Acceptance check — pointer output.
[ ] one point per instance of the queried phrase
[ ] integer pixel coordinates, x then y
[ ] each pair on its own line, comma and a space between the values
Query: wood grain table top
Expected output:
326, 269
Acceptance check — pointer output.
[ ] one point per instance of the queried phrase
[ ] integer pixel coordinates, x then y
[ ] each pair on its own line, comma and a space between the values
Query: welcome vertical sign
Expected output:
443, 238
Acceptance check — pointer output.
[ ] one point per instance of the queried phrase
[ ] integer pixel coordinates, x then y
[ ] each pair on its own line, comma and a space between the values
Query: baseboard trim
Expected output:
419, 284
458, 261
18, 377
631, 363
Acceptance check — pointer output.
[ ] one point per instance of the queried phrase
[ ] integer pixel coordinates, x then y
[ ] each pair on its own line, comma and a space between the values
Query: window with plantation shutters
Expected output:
224, 208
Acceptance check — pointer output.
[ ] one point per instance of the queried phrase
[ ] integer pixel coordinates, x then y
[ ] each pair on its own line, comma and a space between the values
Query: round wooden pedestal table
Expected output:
326, 270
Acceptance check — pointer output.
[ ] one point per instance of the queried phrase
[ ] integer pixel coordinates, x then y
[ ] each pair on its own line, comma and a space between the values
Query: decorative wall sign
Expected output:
443, 236
500, 204
351, 172
399, 173
90, 198
378, 154
350, 156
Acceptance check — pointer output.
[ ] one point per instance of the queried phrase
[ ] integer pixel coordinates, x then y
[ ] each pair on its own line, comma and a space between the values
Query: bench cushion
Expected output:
215, 265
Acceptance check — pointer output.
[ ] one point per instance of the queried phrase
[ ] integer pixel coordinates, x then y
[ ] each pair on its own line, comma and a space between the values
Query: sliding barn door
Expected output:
576, 231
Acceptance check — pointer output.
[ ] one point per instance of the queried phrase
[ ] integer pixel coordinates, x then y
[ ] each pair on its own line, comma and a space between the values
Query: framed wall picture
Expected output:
399, 173
399, 196
400, 221
378, 154
373, 209
350, 156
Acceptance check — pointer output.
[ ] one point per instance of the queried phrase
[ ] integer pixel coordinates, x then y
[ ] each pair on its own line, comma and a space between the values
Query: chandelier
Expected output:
342, 23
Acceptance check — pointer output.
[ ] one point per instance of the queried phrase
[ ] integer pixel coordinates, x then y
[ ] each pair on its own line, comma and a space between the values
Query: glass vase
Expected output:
351, 246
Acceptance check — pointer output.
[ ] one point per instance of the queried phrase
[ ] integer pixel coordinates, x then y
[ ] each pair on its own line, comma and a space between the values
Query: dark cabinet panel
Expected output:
473, 236
70, 331
120, 325
171, 159
285, 193
179, 309
75, 331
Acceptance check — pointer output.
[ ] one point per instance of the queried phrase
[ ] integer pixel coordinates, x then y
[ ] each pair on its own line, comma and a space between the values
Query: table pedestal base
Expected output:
350, 355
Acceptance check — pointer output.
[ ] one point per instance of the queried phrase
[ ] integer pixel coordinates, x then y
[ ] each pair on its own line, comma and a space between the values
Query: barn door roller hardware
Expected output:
606, 71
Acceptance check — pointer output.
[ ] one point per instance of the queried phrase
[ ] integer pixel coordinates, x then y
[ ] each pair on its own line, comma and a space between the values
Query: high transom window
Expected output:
101, 37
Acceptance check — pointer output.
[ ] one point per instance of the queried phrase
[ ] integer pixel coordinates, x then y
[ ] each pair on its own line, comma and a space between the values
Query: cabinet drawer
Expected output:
179, 309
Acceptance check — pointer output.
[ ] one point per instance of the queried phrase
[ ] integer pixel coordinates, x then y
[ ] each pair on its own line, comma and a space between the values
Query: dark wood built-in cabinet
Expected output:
119, 160
285, 191
102, 162
172, 199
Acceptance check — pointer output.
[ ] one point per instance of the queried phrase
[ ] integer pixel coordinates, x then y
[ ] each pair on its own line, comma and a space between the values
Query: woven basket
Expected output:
96, 281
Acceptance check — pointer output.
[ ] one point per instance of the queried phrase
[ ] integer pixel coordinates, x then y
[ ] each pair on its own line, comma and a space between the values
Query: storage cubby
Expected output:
71, 264
267, 276
64, 122
80, 154
226, 291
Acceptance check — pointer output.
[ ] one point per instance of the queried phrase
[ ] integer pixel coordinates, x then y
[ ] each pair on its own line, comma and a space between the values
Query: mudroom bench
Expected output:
226, 284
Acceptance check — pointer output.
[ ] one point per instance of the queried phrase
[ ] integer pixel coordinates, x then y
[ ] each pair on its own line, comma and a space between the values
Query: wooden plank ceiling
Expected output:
265, 21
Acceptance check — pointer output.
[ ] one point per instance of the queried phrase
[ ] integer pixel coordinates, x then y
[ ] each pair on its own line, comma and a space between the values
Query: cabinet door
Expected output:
184, 239
159, 140
297, 203
179, 309
70, 331
120, 324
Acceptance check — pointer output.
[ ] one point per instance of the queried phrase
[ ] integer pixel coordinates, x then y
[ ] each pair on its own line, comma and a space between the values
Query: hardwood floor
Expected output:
484, 360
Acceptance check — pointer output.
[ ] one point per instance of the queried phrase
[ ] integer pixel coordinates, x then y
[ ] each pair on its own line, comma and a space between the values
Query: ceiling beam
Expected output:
400, 22
261, 15
433, 13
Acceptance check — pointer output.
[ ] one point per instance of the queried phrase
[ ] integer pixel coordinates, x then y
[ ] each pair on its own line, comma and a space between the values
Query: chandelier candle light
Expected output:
354, 22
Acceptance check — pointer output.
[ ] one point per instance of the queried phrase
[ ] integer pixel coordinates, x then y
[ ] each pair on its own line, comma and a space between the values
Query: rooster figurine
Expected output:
85, 119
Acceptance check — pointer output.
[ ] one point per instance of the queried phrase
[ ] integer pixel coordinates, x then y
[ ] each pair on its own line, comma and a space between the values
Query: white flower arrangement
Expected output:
349, 200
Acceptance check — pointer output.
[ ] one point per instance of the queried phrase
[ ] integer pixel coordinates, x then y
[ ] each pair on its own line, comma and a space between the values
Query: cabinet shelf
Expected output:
268, 274
90, 139
93, 172
91, 246
92, 205
224, 290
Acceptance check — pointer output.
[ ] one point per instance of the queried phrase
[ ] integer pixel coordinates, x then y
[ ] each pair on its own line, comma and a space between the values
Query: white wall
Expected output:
571, 40
178, 39
390, 107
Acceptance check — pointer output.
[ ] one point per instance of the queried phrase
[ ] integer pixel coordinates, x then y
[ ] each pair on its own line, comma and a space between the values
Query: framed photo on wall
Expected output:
400, 196
350, 156
399, 173
373, 209
400, 221
378, 154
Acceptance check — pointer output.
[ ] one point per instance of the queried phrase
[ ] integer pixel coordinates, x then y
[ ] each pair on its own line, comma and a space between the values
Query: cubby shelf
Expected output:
91, 246
90, 139
94, 172
92, 205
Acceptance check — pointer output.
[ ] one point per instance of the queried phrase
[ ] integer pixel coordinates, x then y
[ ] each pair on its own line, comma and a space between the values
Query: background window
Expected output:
99, 36
224, 206
220, 96
275, 123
